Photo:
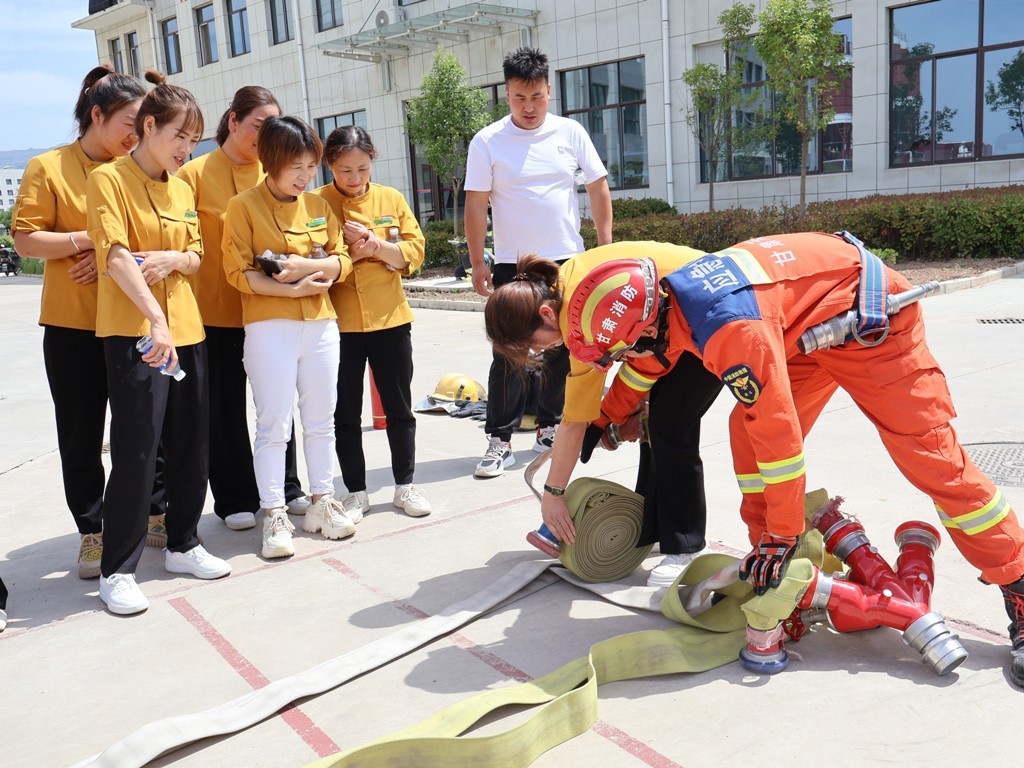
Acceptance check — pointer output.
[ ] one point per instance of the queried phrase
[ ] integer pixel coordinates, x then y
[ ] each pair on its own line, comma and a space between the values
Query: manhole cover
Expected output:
1003, 462
1002, 321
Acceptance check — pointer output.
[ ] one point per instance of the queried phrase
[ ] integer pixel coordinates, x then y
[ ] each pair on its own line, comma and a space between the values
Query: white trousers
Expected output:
282, 357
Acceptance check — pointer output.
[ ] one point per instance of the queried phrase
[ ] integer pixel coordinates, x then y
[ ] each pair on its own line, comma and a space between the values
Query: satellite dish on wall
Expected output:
382, 19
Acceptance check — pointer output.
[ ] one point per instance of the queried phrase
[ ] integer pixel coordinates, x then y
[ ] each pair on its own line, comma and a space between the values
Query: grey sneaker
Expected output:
498, 456
355, 505
545, 439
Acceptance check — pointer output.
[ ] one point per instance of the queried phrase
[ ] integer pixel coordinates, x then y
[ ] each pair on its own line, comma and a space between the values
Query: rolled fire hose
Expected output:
608, 519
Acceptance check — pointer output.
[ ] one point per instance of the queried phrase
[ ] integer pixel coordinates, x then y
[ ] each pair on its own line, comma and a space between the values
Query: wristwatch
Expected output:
554, 491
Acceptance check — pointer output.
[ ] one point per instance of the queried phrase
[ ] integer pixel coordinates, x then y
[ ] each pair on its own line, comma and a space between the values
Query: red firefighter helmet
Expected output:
610, 309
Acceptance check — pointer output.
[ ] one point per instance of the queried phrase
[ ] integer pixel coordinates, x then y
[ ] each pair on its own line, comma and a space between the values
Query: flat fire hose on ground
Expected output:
567, 698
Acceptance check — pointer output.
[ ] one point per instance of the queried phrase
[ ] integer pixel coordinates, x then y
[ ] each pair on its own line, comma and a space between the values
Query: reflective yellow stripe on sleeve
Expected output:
979, 520
635, 380
750, 483
774, 472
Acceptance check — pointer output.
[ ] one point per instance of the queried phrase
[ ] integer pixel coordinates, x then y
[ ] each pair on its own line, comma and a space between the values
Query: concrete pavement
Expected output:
75, 679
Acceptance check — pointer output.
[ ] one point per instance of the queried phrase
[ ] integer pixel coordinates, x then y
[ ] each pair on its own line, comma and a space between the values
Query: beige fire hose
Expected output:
710, 635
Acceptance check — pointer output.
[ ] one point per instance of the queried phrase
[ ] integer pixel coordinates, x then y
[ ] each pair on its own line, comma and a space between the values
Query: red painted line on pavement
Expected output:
636, 748
296, 719
458, 639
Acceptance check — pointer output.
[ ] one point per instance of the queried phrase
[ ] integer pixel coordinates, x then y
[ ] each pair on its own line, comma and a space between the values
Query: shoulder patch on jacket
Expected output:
743, 384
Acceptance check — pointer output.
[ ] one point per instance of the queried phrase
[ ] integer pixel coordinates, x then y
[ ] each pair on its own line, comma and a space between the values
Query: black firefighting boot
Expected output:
1013, 597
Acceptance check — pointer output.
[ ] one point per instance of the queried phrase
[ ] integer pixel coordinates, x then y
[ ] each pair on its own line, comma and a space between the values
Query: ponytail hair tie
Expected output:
522, 276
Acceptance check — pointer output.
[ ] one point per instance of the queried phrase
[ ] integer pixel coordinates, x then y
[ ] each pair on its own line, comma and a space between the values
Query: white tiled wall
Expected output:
573, 34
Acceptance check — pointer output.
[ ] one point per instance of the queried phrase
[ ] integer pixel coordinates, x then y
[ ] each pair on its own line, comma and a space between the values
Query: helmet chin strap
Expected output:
659, 342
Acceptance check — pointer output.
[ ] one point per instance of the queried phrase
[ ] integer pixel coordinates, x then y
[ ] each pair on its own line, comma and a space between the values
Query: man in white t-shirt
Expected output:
527, 166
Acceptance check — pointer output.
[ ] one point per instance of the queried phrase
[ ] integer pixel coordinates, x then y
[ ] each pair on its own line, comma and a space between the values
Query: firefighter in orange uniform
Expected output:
742, 311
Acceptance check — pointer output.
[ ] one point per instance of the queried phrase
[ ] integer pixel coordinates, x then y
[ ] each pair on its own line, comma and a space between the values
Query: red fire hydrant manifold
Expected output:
870, 595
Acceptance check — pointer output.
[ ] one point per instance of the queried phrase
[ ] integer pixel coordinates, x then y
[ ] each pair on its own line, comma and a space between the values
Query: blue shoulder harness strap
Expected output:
872, 294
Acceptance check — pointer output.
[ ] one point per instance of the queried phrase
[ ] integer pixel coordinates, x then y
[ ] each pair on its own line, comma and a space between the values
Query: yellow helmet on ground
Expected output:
458, 386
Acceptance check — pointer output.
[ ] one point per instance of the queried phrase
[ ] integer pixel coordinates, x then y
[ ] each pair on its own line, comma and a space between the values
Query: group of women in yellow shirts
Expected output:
170, 282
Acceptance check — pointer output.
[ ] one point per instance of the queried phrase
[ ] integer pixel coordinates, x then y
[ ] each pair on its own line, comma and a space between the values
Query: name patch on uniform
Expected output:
318, 222
191, 215
380, 221
743, 384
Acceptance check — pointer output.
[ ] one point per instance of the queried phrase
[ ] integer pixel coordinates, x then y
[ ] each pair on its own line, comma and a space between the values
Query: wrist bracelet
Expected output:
71, 237
553, 490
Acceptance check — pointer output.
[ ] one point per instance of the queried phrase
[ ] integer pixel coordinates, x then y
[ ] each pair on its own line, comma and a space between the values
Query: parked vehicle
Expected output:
10, 262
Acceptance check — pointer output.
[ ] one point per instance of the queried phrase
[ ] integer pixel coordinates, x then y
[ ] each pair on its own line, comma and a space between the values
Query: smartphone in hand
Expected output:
268, 262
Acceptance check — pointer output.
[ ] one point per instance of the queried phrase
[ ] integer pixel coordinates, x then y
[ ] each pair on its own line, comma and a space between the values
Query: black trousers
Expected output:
671, 473
232, 479
77, 375
508, 387
149, 411
389, 353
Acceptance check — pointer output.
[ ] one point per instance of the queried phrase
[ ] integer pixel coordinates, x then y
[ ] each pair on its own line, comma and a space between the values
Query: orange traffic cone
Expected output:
376, 408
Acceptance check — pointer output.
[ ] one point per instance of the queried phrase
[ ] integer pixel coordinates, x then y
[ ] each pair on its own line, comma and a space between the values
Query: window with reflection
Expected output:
171, 45
206, 35
238, 27
754, 156
280, 14
956, 81
610, 102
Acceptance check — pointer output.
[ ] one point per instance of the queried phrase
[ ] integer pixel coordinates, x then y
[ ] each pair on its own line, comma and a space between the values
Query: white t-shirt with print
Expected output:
531, 176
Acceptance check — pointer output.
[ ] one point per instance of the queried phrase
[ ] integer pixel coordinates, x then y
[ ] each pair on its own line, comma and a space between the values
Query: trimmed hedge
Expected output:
975, 223
439, 252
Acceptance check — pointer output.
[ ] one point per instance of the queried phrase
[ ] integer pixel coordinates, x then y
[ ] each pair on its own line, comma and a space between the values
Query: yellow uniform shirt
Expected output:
584, 386
371, 298
52, 199
255, 222
215, 180
128, 208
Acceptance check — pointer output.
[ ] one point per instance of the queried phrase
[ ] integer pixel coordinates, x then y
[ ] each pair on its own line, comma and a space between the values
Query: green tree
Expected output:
1008, 95
443, 120
5, 219
805, 65
715, 93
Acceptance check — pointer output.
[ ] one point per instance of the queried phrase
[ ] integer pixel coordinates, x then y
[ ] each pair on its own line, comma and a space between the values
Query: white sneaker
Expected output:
410, 499
122, 595
667, 571
277, 535
328, 517
498, 456
298, 506
196, 562
545, 439
240, 521
3, 619
355, 505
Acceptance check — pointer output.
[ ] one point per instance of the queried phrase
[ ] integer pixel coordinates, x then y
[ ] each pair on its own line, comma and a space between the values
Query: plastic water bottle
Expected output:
145, 344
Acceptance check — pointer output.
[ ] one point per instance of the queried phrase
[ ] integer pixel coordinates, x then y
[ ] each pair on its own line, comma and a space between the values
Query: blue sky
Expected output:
42, 65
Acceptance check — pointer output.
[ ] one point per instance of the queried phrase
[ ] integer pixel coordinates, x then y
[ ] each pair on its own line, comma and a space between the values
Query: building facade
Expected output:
10, 181
934, 102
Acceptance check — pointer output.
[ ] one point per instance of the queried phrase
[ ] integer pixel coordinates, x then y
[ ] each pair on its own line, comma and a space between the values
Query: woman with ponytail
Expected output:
49, 222
385, 242
215, 178
530, 314
143, 223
